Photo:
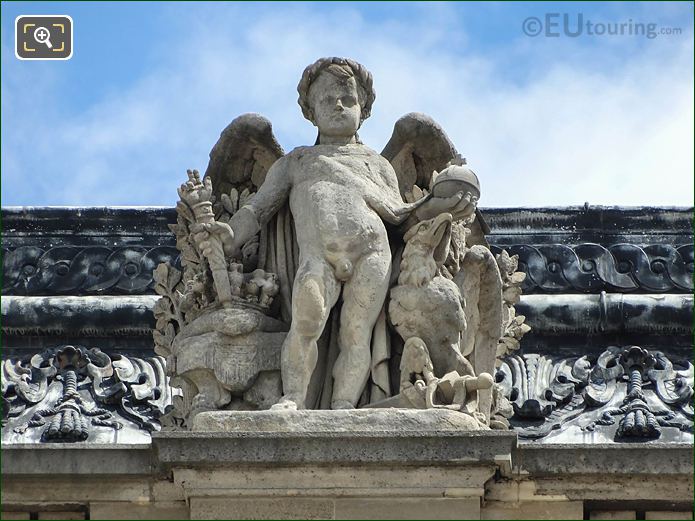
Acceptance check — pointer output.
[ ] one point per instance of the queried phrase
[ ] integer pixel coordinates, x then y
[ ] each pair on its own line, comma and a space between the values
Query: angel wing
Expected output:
243, 155
239, 162
419, 147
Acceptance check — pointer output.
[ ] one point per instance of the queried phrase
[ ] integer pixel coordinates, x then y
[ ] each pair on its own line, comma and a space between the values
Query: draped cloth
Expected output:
279, 253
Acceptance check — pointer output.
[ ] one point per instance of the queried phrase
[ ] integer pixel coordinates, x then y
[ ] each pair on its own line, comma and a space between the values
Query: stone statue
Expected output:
324, 233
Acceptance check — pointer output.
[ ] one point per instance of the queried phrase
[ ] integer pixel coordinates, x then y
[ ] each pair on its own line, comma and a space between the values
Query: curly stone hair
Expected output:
342, 67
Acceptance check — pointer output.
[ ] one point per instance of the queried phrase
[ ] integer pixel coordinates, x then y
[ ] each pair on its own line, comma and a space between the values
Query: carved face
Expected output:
335, 105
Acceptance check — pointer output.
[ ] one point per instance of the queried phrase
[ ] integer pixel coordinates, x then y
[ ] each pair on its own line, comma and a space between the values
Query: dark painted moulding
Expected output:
601, 224
46, 227
20, 345
573, 323
109, 323
582, 315
607, 313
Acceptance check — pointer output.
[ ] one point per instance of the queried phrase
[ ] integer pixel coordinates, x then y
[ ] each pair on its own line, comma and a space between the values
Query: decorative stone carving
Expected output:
514, 325
271, 242
218, 347
550, 268
427, 305
591, 268
71, 393
29, 270
645, 390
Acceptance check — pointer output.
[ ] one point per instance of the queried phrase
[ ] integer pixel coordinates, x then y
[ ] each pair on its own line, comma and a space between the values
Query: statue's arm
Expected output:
263, 205
391, 211
388, 203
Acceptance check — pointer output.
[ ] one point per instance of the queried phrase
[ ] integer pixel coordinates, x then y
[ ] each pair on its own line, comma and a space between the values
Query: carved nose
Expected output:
339, 106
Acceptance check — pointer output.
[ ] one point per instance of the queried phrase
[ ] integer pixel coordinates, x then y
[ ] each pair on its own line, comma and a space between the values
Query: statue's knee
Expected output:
309, 308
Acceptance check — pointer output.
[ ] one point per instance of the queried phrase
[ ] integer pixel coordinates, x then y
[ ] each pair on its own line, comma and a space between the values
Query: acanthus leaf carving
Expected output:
68, 390
630, 390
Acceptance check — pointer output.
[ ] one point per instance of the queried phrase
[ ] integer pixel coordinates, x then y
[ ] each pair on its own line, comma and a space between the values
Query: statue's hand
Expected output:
460, 205
202, 233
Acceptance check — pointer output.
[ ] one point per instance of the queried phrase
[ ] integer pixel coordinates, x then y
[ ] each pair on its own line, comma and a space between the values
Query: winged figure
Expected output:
332, 220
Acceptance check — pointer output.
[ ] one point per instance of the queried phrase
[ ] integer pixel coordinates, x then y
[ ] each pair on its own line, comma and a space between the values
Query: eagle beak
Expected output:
440, 237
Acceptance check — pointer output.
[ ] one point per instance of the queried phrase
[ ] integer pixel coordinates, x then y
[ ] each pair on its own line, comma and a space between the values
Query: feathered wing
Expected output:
239, 162
243, 155
418, 147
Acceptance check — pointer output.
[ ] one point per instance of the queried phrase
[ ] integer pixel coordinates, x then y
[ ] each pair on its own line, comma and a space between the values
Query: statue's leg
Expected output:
314, 293
363, 298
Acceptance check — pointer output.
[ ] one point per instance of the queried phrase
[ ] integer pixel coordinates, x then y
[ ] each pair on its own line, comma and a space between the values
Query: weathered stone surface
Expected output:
642, 315
370, 480
75, 489
407, 508
667, 514
58, 515
379, 435
79, 458
360, 422
591, 268
532, 510
601, 486
261, 508
660, 459
124, 510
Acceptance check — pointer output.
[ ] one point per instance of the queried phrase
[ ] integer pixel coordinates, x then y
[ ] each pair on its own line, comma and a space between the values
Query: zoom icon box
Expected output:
43, 37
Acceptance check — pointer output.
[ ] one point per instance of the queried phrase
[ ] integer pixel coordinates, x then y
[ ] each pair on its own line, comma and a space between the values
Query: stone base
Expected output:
358, 464
344, 421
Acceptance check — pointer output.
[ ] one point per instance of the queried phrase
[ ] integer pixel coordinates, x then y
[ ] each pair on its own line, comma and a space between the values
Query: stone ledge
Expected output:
197, 449
32, 459
220, 449
604, 458
376, 436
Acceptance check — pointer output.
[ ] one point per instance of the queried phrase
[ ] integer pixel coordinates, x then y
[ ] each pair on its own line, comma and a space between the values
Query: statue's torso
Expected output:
330, 189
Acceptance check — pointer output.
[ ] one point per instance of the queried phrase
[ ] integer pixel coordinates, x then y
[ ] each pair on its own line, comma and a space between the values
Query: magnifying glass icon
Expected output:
43, 35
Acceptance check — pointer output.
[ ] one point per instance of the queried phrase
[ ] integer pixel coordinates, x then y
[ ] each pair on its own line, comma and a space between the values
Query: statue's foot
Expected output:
341, 404
285, 404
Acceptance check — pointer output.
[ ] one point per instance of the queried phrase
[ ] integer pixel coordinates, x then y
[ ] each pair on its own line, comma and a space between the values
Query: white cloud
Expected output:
570, 133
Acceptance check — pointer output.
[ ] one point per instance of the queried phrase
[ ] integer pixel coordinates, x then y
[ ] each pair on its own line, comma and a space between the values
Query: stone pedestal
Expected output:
365, 464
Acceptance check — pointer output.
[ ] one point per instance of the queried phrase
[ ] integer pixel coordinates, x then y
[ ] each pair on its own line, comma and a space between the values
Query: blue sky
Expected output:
562, 120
